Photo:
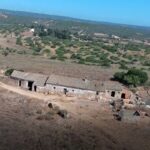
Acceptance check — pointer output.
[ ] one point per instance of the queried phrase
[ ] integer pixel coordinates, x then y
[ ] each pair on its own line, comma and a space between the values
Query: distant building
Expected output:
32, 30
116, 37
101, 35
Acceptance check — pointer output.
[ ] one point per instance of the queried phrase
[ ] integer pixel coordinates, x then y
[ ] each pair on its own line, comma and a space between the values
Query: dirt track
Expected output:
46, 98
25, 93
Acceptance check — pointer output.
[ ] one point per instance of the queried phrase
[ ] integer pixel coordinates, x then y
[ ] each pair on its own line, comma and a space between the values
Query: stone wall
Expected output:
40, 89
24, 84
69, 91
113, 94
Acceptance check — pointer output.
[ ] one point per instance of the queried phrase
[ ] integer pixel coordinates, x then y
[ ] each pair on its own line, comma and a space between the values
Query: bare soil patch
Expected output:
89, 127
43, 65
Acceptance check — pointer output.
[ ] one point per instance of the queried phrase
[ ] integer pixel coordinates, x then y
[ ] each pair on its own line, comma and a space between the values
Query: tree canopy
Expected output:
133, 77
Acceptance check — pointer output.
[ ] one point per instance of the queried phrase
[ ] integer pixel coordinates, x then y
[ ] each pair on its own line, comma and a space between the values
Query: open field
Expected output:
39, 64
43, 65
28, 124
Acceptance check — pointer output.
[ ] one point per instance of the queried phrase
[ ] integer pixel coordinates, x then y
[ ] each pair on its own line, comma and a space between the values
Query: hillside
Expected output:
39, 112
70, 40
66, 22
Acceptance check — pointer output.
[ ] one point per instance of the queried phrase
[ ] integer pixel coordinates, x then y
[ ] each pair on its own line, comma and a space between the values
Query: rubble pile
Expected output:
131, 112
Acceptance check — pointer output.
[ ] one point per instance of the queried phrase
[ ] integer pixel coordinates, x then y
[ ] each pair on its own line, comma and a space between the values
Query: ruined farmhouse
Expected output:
69, 86
30, 81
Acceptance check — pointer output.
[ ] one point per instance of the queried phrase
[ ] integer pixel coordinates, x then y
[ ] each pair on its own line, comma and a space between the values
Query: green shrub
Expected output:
134, 77
19, 41
110, 48
8, 72
5, 53
146, 63
132, 47
123, 66
81, 61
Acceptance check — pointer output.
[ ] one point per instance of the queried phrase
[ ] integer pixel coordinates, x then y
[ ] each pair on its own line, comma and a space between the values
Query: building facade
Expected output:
29, 81
69, 86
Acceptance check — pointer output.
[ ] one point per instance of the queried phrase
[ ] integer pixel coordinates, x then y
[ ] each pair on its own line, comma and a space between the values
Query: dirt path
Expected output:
72, 104
55, 99
23, 92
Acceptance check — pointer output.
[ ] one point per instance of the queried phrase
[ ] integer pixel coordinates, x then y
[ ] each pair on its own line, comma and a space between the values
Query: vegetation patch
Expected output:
8, 72
134, 77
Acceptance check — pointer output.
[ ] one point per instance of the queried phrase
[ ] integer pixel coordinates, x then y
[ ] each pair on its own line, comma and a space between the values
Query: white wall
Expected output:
40, 89
24, 84
71, 91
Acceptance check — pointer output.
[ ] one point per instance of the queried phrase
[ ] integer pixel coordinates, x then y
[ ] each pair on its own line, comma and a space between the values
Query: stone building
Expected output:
71, 86
30, 81
56, 84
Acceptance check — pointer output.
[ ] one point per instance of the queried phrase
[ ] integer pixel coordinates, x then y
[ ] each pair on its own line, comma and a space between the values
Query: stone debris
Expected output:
57, 110
63, 113
130, 112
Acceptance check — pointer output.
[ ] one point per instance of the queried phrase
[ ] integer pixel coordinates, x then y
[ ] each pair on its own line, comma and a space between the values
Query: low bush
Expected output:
8, 72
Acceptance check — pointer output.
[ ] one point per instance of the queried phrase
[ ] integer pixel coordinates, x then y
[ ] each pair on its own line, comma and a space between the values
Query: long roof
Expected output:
65, 81
82, 83
112, 86
38, 79
71, 82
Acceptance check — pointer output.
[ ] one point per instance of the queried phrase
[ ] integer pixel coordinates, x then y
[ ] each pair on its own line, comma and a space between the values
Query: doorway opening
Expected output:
123, 95
113, 93
97, 93
30, 85
19, 83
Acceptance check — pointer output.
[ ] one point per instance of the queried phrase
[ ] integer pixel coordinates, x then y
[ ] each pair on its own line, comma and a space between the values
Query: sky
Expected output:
134, 12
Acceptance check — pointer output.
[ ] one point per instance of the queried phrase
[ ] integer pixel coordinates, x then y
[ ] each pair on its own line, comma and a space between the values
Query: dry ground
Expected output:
10, 42
47, 66
90, 126
43, 65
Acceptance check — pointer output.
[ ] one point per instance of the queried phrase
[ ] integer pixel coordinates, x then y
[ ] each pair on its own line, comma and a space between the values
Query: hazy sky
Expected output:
119, 11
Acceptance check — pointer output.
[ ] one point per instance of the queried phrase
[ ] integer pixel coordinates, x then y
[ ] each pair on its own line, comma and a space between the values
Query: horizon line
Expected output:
75, 18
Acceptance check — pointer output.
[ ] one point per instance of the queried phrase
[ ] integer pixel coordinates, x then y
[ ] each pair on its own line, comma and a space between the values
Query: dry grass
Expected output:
43, 65
88, 128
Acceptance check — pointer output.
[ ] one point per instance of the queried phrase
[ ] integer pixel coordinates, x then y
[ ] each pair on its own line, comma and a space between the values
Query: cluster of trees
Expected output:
134, 77
110, 48
60, 53
133, 47
99, 59
6, 51
146, 63
57, 33
35, 45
